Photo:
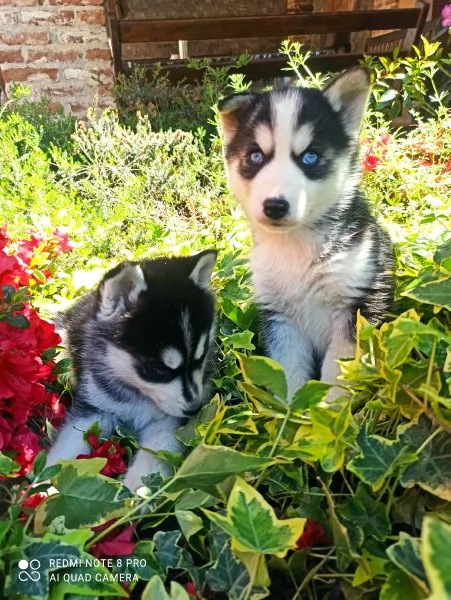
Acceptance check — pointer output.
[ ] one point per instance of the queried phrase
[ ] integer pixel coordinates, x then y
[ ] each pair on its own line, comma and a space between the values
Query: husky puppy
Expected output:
140, 345
292, 158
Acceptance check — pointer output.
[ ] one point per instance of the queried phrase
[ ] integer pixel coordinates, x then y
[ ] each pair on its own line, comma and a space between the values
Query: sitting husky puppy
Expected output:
292, 157
140, 345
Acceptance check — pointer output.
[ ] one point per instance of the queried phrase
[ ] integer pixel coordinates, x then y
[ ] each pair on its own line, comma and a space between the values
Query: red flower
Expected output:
24, 374
112, 451
116, 543
63, 243
370, 162
34, 500
374, 151
31, 503
191, 589
313, 535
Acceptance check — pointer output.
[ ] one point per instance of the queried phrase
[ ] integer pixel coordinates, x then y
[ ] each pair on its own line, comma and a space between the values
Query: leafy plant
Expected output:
287, 501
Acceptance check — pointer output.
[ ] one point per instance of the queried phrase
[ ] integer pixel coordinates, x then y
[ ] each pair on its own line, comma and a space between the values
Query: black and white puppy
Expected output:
319, 256
140, 344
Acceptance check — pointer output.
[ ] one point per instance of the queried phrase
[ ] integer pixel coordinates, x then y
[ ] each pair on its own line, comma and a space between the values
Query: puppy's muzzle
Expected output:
276, 208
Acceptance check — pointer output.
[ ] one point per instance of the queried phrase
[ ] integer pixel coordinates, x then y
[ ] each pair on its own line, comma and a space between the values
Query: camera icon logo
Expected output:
29, 570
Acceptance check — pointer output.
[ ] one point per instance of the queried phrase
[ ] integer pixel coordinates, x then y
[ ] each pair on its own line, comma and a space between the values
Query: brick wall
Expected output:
59, 47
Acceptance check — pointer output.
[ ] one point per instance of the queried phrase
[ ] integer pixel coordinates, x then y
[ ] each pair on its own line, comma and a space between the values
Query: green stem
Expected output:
429, 440
276, 443
311, 574
125, 518
430, 368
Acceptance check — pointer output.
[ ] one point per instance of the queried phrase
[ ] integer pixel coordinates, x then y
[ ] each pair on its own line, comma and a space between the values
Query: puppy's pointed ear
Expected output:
203, 269
348, 94
120, 290
229, 110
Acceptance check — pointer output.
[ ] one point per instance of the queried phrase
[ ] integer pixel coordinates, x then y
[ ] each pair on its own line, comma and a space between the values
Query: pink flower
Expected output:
446, 16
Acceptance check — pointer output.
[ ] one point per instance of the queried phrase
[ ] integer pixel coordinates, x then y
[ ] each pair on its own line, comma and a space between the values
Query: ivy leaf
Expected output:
253, 524
7, 465
264, 372
85, 497
241, 340
437, 292
155, 590
398, 343
378, 459
443, 252
310, 394
432, 471
368, 514
40, 556
207, 466
436, 556
46, 557
399, 586
189, 522
141, 563
405, 554
228, 575
167, 551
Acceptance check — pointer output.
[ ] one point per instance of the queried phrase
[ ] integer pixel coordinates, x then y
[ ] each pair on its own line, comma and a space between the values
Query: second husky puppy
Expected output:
319, 256
140, 345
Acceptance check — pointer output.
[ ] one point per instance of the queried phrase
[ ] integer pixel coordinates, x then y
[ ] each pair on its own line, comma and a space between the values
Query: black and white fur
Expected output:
319, 256
140, 345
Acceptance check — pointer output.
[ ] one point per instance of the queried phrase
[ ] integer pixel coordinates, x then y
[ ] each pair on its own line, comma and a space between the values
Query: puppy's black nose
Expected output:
276, 208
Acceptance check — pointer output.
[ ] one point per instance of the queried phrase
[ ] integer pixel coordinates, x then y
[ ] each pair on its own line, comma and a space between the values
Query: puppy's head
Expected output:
289, 153
157, 319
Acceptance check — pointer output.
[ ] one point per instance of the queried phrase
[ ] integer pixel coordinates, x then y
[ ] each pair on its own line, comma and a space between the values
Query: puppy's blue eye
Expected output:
309, 158
256, 157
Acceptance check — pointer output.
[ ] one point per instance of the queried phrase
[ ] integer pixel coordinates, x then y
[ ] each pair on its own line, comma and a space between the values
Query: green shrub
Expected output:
171, 106
54, 127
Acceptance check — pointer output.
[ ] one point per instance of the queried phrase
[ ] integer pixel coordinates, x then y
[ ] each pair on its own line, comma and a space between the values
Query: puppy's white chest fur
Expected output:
291, 277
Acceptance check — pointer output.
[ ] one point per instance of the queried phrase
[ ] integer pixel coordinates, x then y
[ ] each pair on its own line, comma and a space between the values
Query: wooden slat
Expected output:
165, 30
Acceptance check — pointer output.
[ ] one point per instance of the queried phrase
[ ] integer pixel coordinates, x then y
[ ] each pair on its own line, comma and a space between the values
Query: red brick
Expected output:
31, 38
30, 74
102, 76
104, 90
11, 56
50, 54
70, 35
76, 107
95, 17
62, 17
98, 54
66, 91
75, 2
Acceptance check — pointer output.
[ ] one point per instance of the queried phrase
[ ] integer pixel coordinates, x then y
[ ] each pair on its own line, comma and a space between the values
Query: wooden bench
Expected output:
126, 31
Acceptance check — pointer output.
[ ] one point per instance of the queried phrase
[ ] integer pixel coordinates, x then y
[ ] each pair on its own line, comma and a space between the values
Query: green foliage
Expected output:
365, 480
52, 125
172, 106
